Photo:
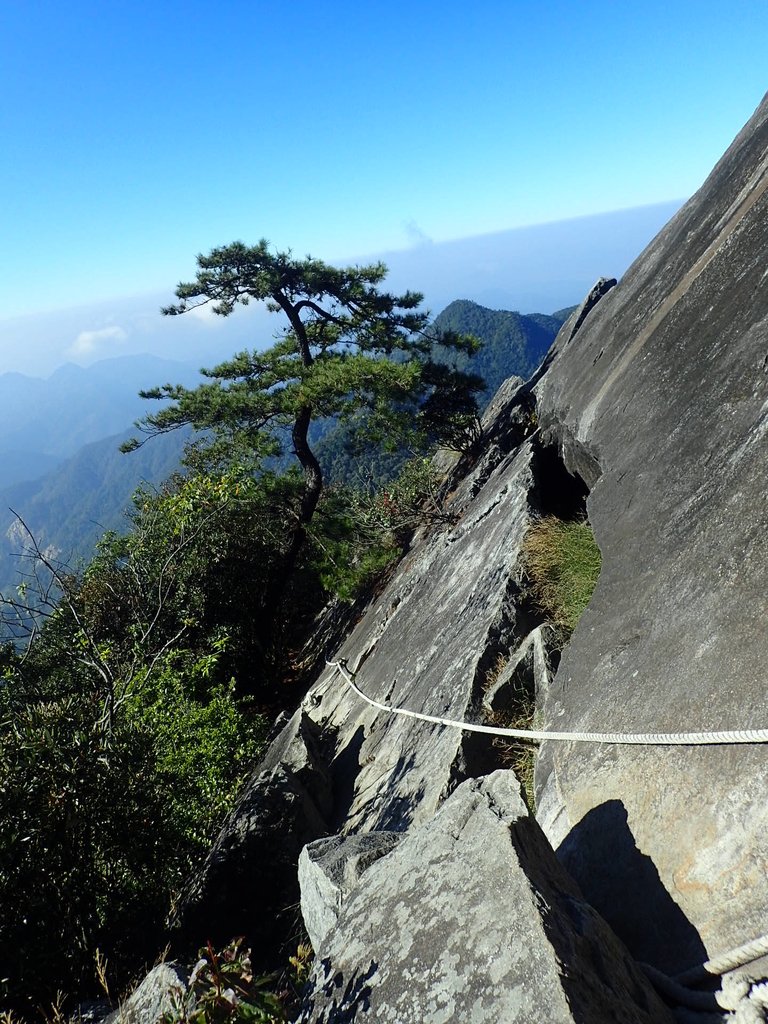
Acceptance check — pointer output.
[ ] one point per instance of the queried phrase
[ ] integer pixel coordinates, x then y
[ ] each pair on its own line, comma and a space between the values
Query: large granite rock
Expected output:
471, 918
160, 993
661, 402
430, 641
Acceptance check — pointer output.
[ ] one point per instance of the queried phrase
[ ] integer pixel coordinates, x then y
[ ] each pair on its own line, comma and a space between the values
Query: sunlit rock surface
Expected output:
662, 399
472, 918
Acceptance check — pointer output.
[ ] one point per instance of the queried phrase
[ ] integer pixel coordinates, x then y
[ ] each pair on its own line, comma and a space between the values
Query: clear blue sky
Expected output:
136, 134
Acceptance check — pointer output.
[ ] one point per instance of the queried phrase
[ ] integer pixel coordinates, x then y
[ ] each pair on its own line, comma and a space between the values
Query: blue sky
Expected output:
138, 134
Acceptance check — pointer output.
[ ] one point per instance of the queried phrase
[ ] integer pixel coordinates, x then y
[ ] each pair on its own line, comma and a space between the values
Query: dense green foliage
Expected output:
223, 990
103, 815
122, 738
361, 529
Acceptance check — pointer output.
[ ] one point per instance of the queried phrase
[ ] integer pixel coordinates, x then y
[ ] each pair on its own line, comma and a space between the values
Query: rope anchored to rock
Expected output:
648, 739
746, 997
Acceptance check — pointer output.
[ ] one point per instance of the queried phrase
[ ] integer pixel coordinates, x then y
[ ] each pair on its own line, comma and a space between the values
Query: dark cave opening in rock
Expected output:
556, 491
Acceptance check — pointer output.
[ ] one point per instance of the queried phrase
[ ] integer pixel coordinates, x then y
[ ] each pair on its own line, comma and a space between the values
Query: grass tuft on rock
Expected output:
562, 562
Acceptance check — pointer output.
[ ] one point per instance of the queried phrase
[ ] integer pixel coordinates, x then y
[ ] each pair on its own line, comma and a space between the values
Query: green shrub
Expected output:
360, 531
223, 990
102, 819
519, 712
204, 741
562, 562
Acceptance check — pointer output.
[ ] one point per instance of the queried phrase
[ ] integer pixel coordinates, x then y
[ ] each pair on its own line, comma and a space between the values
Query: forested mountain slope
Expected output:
44, 421
513, 344
69, 508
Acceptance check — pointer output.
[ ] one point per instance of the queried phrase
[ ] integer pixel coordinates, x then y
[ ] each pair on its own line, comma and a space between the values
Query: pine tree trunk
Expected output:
313, 486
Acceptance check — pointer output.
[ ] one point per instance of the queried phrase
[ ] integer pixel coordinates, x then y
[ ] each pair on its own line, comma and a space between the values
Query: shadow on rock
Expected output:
623, 885
395, 813
344, 772
385, 797
342, 1001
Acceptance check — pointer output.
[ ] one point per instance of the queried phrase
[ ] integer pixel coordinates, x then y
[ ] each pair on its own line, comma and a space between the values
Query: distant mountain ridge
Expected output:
45, 421
60, 467
513, 344
69, 508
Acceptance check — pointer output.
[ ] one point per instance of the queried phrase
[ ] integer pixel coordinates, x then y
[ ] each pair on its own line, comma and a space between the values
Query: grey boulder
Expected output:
471, 918
158, 993
329, 869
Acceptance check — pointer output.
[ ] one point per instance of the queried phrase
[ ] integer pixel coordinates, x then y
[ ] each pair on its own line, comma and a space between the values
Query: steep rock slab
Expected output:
471, 918
428, 643
664, 394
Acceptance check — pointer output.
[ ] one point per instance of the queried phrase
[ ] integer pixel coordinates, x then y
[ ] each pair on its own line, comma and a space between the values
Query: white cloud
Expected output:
415, 235
87, 342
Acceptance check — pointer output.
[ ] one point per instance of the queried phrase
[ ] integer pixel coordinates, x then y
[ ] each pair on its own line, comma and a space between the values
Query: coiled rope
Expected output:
650, 739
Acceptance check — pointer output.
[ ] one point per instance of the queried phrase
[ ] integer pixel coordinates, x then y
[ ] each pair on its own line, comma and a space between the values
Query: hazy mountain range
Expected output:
71, 506
60, 465
43, 421
543, 268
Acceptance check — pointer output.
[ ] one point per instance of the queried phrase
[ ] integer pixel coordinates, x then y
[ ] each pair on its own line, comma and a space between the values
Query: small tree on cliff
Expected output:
346, 350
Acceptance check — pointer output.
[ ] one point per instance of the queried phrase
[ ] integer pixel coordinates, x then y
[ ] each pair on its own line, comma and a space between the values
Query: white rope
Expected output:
675, 988
534, 735
725, 962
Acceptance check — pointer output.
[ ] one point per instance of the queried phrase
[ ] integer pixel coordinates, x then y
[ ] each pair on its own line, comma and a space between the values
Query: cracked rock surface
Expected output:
471, 918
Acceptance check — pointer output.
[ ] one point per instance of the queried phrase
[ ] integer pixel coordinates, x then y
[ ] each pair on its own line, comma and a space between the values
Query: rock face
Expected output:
431, 641
598, 290
429, 892
159, 993
329, 869
661, 403
471, 918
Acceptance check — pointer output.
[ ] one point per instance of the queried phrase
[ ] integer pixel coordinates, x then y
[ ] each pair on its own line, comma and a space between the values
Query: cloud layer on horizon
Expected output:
535, 269
88, 343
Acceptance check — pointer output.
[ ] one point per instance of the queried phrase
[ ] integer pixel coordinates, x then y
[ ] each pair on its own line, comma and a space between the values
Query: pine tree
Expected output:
347, 349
